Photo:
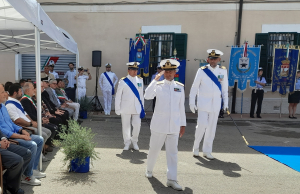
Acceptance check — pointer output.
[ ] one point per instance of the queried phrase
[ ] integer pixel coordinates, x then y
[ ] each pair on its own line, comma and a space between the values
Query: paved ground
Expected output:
237, 169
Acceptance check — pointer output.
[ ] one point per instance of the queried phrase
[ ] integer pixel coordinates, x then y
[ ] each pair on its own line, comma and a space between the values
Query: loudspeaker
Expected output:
96, 59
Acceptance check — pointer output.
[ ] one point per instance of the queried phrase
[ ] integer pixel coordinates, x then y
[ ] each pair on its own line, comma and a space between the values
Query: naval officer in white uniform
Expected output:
107, 83
129, 106
168, 121
208, 101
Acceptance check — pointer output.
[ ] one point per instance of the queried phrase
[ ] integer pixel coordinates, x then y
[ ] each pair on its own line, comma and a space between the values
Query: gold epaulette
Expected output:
123, 77
222, 67
140, 77
160, 82
181, 84
203, 67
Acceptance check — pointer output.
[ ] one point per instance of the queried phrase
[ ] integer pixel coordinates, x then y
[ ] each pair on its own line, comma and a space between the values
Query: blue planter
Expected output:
81, 168
83, 114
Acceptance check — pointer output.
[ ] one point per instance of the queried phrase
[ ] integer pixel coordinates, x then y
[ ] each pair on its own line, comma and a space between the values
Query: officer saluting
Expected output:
210, 85
129, 103
168, 121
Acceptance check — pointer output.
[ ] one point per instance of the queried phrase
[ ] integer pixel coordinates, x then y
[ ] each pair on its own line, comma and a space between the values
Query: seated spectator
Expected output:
32, 142
30, 108
54, 98
47, 74
64, 115
15, 160
19, 116
62, 95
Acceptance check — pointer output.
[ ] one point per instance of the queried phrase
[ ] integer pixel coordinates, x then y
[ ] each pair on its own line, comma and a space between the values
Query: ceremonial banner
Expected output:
180, 72
285, 66
140, 52
243, 66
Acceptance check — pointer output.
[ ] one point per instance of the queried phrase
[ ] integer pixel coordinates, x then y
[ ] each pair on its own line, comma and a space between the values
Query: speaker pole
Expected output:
96, 98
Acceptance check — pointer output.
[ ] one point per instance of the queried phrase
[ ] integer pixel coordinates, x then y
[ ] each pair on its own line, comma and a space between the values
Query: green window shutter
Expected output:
262, 39
181, 45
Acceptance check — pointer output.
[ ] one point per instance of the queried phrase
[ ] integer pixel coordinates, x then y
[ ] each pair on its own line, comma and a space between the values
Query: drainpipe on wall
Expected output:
238, 42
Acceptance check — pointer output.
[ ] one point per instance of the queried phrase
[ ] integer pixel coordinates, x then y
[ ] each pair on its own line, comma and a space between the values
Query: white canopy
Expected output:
17, 16
25, 15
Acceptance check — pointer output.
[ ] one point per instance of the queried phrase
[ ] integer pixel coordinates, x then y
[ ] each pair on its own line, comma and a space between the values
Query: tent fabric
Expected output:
25, 14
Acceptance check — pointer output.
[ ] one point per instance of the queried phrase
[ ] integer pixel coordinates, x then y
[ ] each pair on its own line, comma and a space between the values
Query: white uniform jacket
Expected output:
209, 95
104, 83
169, 113
126, 102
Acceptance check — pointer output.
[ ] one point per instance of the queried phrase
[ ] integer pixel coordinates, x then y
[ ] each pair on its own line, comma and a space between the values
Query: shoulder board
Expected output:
160, 82
123, 77
203, 67
222, 67
140, 77
179, 83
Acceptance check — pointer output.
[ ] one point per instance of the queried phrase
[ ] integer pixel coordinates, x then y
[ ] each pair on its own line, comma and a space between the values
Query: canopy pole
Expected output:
38, 84
76, 69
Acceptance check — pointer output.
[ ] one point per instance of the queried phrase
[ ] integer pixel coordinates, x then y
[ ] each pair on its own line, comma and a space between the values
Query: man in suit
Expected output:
55, 100
31, 109
168, 121
129, 106
15, 160
211, 86
62, 114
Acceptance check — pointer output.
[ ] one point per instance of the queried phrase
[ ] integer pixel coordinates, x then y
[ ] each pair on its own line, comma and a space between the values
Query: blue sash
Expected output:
112, 85
16, 104
136, 93
213, 78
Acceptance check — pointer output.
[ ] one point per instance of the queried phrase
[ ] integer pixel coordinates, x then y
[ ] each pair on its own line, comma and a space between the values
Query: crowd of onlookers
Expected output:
21, 144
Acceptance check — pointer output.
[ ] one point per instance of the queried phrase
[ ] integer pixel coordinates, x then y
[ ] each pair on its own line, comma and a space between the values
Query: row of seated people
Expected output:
18, 121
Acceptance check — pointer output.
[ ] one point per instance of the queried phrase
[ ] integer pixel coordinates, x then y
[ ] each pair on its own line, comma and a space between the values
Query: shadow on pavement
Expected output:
228, 168
71, 178
160, 188
135, 157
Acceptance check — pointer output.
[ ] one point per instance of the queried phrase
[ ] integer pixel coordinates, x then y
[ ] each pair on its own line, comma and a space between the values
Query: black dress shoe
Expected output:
290, 117
251, 116
258, 116
294, 117
19, 191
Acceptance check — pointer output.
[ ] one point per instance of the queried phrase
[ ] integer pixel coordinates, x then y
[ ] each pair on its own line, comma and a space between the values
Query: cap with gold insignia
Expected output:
107, 65
168, 64
80, 68
214, 53
133, 65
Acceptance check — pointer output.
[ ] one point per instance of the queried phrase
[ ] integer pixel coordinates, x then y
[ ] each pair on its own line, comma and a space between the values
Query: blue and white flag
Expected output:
243, 66
140, 53
284, 69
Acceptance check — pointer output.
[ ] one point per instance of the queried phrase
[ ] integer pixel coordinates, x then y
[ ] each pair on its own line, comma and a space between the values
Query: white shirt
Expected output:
209, 95
169, 113
104, 83
81, 81
54, 74
70, 75
14, 112
126, 102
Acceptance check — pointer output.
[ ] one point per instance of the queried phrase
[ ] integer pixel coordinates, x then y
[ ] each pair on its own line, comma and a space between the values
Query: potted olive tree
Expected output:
85, 106
78, 147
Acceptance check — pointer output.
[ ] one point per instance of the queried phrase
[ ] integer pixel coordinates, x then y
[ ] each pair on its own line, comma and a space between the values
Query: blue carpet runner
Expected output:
289, 156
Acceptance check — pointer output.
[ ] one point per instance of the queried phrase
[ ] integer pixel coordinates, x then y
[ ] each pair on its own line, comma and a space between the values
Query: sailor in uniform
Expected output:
129, 103
81, 87
258, 94
168, 121
211, 86
107, 83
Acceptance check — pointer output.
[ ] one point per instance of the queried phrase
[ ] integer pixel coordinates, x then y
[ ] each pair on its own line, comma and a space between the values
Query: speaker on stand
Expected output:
96, 62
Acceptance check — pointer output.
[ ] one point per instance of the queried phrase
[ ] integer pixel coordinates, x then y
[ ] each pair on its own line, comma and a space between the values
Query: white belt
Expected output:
81, 87
259, 89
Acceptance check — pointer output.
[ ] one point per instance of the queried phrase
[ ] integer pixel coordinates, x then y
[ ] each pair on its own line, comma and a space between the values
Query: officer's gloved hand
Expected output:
193, 108
118, 112
227, 110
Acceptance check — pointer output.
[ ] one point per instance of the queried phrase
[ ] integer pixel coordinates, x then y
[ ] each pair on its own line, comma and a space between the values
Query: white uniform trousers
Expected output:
206, 123
127, 121
76, 106
157, 141
81, 91
107, 97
